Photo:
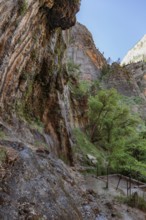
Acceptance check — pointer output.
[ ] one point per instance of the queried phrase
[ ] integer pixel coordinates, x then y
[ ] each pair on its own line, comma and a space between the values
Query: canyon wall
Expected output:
82, 51
39, 40
38, 110
34, 52
33, 76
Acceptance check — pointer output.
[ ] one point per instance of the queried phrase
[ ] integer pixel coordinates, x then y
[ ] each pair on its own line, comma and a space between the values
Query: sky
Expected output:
116, 25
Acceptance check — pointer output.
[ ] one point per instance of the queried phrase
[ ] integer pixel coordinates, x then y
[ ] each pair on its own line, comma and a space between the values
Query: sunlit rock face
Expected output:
137, 53
130, 81
82, 51
138, 71
135, 63
122, 80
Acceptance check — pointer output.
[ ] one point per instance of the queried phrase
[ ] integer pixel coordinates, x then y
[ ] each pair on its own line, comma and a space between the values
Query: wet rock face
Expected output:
38, 186
33, 77
24, 25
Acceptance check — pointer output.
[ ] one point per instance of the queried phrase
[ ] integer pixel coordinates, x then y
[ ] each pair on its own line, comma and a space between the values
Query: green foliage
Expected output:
80, 90
25, 114
106, 70
23, 6
2, 134
64, 158
84, 146
89, 170
133, 100
109, 120
37, 124
83, 143
77, 1
21, 105
136, 146
95, 87
73, 68
119, 133
40, 144
83, 89
134, 201
34, 122
113, 134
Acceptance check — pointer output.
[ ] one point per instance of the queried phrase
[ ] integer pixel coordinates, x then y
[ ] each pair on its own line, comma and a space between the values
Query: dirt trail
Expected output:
108, 205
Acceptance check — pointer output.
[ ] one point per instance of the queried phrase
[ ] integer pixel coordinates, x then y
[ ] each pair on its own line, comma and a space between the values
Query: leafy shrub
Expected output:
132, 100
73, 68
23, 6
2, 134
81, 89
106, 70
134, 201
84, 146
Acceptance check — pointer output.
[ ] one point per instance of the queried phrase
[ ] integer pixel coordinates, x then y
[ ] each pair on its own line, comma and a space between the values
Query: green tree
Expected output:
110, 126
110, 121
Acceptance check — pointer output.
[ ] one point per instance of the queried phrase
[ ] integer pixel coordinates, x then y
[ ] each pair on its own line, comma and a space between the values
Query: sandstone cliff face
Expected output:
138, 71
38, 110
33, 77
34, 52
134, 63
37, 114
129, 81
122, 80
137, 53
81, 50
138, 74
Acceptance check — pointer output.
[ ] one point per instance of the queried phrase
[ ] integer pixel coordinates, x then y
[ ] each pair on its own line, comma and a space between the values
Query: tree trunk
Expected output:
107, 183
